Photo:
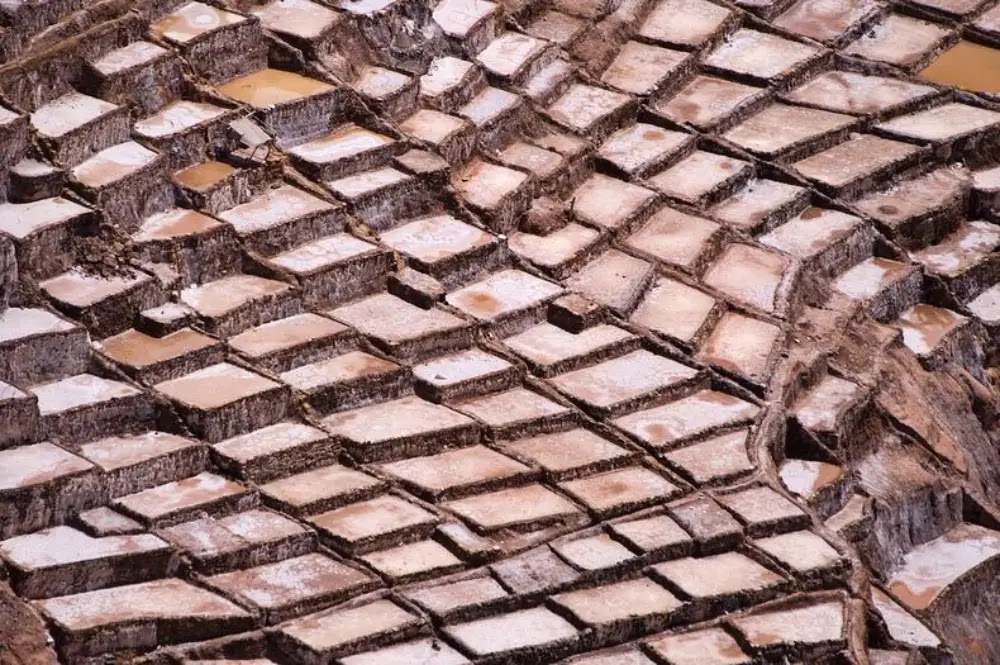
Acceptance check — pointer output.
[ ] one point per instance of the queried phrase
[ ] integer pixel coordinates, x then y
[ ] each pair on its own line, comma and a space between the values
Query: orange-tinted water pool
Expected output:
967, 65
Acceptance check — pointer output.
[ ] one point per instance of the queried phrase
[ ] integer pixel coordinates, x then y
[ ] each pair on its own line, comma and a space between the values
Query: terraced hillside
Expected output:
415, 332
